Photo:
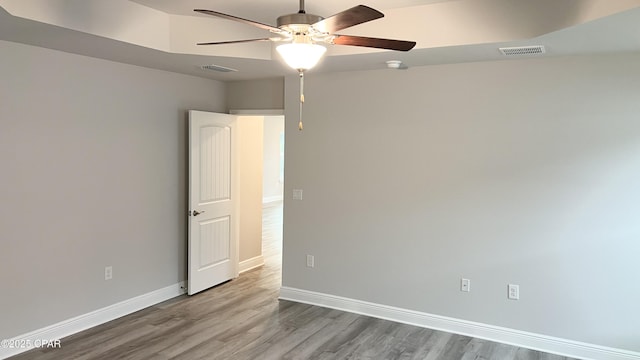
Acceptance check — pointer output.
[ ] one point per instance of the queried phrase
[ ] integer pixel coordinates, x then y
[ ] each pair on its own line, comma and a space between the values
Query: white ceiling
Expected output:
268, 11
162, 33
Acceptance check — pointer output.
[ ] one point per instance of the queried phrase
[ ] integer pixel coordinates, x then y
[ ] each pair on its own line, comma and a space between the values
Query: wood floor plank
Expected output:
502, 351
344, 341
252, 335
243, 319
412, 345
478, 349
306, 348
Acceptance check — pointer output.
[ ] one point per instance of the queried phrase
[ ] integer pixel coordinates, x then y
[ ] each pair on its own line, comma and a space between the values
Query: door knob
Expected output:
196, 212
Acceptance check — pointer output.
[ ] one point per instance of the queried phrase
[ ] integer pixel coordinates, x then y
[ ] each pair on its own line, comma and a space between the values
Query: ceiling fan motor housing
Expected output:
298, 21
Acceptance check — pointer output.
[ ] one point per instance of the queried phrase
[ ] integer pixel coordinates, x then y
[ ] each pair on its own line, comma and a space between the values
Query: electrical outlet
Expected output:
513, 292
108, 273
465, 285
297, 194
311, 261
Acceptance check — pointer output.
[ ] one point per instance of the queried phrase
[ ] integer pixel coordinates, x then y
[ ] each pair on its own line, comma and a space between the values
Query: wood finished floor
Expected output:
243, 319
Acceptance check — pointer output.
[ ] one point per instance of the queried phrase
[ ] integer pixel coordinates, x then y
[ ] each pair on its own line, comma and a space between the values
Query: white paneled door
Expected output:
213, 243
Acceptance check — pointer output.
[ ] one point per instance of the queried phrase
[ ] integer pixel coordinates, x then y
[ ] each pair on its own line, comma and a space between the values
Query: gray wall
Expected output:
521, 172
262, 94
92, 173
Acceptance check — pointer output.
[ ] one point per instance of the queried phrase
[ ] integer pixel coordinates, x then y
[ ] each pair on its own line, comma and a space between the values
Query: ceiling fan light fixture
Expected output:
301, 55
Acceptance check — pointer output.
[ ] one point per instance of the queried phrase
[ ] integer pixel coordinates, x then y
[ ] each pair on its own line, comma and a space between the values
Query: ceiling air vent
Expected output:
522, 50
217, 68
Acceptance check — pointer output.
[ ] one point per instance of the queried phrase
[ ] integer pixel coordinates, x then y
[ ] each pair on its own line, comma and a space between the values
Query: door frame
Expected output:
266, 112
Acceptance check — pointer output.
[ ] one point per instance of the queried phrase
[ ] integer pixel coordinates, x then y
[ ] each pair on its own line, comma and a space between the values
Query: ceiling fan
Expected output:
302, 36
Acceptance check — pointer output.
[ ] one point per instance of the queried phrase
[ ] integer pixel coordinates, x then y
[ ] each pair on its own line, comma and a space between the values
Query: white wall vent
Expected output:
217, 68
522, 50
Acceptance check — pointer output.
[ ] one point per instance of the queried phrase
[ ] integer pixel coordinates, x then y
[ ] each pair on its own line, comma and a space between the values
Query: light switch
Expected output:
465, 285
297, 194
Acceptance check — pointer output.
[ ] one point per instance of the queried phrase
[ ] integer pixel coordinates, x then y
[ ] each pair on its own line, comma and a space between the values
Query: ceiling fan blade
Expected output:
238, 19
389, 44
348, 18
233, 41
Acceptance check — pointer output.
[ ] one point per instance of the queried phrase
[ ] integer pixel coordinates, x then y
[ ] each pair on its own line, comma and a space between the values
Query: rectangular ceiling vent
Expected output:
217, 68
522, 50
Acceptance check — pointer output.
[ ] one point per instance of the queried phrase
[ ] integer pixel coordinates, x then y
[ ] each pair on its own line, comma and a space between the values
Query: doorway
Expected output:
272, 191
273, 159
254, 212
262, 166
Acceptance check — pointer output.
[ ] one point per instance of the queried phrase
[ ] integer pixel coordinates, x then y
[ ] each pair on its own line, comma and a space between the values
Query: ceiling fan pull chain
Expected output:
301, 98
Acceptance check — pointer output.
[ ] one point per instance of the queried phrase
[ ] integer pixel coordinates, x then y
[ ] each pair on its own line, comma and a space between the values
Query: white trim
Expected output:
266, 112
251, 264
519, 338
94, 318
272, 199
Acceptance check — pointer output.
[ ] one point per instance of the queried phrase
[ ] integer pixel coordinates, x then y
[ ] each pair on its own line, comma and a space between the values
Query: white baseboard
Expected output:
524, 339
251, 264
272, 199
94, 318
